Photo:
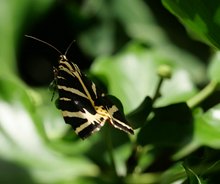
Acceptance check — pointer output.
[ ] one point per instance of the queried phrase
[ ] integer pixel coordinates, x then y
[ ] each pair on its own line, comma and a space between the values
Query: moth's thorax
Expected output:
68, 66
102, 111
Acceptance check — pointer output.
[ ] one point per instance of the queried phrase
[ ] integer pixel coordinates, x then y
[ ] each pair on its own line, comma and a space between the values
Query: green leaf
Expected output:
207, 128
12, 89
203, 165
23, 143
14, 14
102, 35
109, 138
200, 16
138, 117
131, 75
192, 178
175, 173
214, 67
139, 22
171, 126
206, 131
24, 148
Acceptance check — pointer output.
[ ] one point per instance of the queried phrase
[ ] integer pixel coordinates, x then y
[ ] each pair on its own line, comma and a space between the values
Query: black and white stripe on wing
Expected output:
69, 75
118, 120
84, 121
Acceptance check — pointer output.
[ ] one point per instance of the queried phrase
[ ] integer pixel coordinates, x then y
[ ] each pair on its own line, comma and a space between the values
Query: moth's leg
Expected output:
53, 84
57, 103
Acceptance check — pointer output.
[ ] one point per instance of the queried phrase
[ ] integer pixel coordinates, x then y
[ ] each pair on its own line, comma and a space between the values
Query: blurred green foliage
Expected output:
123, 44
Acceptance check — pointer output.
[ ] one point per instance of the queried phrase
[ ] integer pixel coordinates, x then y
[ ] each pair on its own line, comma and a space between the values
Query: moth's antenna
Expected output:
69, 47
48, 44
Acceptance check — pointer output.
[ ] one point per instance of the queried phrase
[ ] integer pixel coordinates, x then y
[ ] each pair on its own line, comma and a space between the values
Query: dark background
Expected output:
59, 26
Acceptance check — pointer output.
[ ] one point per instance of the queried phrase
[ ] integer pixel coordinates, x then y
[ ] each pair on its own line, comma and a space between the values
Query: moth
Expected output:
84, 106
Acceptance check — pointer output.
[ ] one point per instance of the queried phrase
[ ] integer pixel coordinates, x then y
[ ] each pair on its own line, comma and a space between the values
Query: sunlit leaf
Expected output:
207, 128
21, 141
24, 148
131, 75
214, 67
206, 131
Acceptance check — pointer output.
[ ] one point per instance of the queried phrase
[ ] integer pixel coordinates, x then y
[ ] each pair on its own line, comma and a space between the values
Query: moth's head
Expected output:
63, 58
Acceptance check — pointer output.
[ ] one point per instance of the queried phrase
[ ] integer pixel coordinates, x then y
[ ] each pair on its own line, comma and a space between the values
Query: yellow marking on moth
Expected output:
111, 111
66, 63
102, 111
69, 67
76, 73
77, 68
123, 124
67, 71
65, 99
60, 77
72, 90
91, 118
85, 88
94, 89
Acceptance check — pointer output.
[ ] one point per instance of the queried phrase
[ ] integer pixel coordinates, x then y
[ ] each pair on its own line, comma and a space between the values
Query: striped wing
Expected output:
84, 107
117, 119
75, 100
83, 122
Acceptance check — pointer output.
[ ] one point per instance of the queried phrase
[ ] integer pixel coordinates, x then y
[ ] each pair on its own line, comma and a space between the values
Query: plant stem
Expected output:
164, 72
110, 151
157, 92
203, 94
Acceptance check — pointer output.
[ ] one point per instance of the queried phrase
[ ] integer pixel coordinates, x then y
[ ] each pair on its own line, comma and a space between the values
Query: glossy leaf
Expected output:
199, 16
138, 117
171, 126
206, 131
207, 128
23, 140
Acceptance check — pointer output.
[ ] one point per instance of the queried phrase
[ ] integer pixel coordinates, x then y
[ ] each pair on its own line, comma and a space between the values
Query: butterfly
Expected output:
84, 106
